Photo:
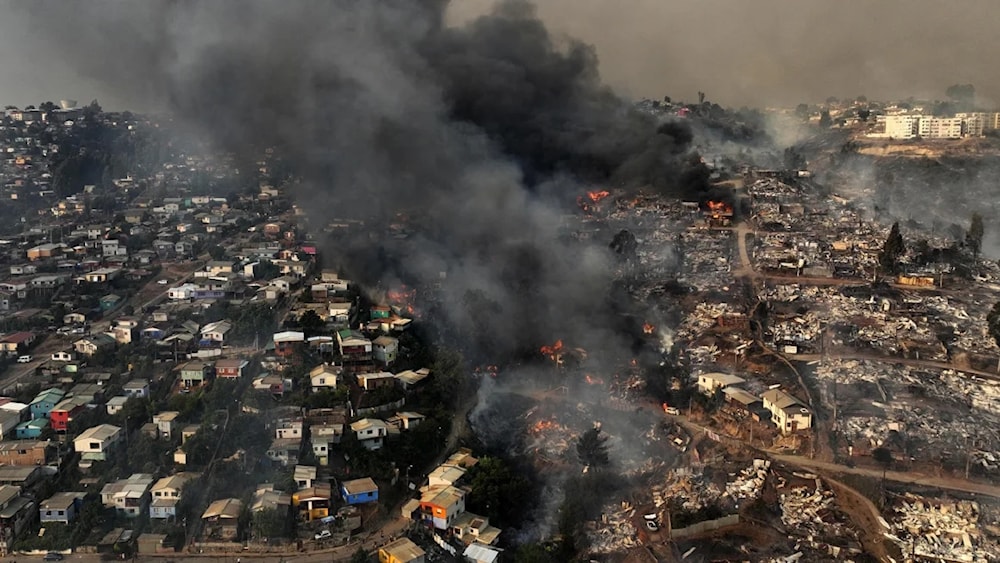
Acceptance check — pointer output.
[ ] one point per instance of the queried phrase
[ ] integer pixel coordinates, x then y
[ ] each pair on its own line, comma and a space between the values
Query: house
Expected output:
74, 318
373, 381
304, 476
221, 519
8, 422
324, 377
409, 378
288, 428
15, 343
45, 401
479, 553
385, 349
97, 443
166, 493
445, 475
266, 498
219, 267
274, 384
288, 342
359, 491
323, 437
21, 476
402, 550
152, 333
65, 356
440, 505
370, 432
313, 503
471, 528
128, 496
136, 388
406, 420
230, 368
43, 251
23, 452
116, 404
193, 374
166, 422
285, 451
60, 508
16, 513
214, 334
787, 412
93, 344
356, 351
62, 413
109, 302
102, 275
31, 430
708, 383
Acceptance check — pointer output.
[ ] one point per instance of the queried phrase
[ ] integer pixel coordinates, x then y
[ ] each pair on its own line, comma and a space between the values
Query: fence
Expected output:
706, 526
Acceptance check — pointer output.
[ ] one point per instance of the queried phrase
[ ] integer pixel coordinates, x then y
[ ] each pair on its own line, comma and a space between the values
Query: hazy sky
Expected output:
754, 52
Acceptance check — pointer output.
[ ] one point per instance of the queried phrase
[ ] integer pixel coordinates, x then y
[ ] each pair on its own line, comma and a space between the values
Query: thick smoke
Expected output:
479, 133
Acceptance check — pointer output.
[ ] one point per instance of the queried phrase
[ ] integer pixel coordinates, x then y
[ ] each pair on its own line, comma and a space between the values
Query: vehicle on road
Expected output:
162, 282
672, 411
322, 535
24, 359
53, 556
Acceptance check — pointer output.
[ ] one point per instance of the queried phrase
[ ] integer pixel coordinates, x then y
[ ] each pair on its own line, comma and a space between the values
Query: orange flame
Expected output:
665, 407
554, 352
598, 195
543, 425
718, 208
648, 328
591, 380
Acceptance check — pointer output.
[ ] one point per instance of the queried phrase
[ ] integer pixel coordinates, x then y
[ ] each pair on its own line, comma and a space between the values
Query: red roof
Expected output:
18, 337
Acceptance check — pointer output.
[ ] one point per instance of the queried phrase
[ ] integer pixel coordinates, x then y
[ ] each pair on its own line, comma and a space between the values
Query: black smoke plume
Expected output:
480, 133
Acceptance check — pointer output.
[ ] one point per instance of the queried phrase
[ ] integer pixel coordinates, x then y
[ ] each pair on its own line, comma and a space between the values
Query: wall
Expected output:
706, 526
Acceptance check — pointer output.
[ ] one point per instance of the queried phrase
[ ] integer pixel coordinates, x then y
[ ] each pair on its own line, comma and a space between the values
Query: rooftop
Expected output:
357, 486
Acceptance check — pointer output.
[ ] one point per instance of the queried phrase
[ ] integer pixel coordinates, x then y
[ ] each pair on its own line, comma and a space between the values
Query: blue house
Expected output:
359, 491
109, 302
45, 401
31, 430
60, 507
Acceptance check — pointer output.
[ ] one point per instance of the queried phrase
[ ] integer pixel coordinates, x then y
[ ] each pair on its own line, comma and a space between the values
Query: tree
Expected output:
592, 448
974, 236
864, 114
802, 110
824, 119
270, 523
892, 250
311, 323
497, 492
217, 252
47, 107
533, 553
962, 93
361, 556
993, 326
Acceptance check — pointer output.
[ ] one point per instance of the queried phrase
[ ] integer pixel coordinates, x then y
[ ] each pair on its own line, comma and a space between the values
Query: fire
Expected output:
665, 407
648, 328
544, 425
718, 208
588, 203
403, 298
591, 380
598, 195
554, 352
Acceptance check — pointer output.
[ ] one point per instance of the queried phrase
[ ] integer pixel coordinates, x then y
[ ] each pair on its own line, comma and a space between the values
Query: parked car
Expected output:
162, 282
322, 535
24, 359
53, 556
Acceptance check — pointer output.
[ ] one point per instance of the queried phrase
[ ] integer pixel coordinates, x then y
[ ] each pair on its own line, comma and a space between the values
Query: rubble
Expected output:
941, 529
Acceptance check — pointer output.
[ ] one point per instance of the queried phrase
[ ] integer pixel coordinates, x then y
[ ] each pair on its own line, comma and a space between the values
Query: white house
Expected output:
324, 377
185, 291
371, 432
96, 443
116, 404
216, 332
709, 382
787, 412
128, 496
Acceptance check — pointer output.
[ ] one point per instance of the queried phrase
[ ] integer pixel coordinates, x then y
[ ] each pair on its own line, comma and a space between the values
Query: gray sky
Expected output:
754, 52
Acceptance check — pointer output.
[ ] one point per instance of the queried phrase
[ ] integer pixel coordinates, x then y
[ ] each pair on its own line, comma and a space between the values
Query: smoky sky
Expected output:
483, 134
764, 52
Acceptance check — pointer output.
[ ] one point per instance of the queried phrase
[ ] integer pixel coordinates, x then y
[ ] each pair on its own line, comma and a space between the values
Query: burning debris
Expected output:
589, 203
554, 352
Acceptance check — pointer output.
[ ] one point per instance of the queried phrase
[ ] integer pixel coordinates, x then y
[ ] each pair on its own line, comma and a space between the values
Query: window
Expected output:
95, 445
48, 513
62, 513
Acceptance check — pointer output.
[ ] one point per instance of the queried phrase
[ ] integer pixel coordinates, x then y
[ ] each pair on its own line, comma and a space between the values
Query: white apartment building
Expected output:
973, 123
940, 127
901, 126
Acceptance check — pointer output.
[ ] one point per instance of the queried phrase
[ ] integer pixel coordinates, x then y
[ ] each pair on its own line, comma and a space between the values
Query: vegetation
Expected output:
498, 492
974, 236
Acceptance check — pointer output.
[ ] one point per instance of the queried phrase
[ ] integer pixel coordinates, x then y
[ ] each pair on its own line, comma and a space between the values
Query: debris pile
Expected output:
614, 532
941, 529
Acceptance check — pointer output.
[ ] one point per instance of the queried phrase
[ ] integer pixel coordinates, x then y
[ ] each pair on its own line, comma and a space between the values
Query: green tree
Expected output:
270, 523
974, 236
361, 556
311, 323
592, 448
497, 492
892, 250
217, 252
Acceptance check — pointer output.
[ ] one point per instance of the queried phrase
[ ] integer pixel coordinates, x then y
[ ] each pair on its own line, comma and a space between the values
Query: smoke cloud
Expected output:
480, 133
